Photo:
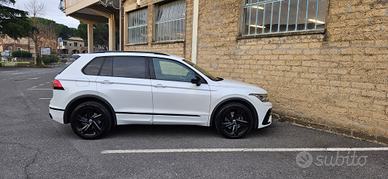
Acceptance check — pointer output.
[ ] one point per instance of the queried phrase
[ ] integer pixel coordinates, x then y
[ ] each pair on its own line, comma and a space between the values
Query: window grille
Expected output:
137, 26
262, 17
170, 21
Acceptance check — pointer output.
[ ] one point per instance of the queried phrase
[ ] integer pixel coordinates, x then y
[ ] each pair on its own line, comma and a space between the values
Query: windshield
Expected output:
203, 71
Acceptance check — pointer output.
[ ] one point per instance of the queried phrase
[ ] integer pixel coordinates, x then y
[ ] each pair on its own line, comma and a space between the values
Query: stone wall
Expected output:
334, 79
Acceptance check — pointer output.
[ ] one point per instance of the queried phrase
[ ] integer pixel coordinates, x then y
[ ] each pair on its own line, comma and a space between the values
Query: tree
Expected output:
65, 32
100, 34
47, 35
14, 22
35, 8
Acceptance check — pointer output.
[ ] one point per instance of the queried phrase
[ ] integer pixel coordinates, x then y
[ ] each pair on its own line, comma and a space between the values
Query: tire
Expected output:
91, 120
234, 120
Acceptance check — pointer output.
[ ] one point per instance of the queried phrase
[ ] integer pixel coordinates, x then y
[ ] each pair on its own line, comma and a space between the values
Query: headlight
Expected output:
262, 97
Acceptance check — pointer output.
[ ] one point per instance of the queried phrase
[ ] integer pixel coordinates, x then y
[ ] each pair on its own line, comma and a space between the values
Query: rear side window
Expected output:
94, 66
130, 67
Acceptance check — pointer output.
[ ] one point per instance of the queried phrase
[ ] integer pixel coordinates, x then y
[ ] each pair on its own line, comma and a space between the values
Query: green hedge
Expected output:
21, 53
50, 59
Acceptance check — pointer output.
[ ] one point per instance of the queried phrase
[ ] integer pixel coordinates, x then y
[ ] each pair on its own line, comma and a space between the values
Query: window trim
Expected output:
278, 34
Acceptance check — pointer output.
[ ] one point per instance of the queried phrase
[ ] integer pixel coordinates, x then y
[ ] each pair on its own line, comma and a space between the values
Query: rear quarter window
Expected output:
93, 67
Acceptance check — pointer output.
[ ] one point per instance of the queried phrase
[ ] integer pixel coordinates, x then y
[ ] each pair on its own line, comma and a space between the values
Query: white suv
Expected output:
101, 90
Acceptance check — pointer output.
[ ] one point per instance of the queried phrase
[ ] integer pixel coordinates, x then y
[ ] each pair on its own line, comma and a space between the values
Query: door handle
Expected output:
106, 82
160, 86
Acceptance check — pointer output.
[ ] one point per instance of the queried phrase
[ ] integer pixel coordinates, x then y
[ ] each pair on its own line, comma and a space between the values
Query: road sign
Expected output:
45, 50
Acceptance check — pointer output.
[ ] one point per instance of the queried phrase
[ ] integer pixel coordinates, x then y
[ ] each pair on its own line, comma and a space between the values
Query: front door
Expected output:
176, 100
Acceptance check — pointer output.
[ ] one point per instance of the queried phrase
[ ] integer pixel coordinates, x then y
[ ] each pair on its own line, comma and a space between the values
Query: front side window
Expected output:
137, 26
170, 21
262, 17
171, 70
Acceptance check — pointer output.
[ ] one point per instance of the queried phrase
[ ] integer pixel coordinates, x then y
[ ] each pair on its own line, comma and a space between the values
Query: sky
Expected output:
51, 12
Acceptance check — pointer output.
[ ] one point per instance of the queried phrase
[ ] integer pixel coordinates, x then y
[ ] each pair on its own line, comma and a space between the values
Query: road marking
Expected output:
39, 89
240, 150
44, 98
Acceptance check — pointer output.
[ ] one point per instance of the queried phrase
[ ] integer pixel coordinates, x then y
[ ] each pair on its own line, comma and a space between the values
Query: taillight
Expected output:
57, 85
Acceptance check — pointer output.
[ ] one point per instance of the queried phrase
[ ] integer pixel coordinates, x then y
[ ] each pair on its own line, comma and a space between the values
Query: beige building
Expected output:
72, 46
323, 62
26, 44
9, 44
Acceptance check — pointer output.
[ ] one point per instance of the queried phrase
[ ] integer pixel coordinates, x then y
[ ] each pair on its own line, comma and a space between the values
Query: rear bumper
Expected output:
56, 114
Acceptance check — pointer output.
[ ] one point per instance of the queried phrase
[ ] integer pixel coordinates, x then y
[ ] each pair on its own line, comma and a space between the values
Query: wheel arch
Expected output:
237, 100
80, 99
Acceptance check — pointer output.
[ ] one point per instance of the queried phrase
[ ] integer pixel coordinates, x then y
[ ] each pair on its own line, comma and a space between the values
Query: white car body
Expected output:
153, 101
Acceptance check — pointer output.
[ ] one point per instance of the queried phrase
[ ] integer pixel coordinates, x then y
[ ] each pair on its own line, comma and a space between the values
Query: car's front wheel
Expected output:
234, 120
91, 120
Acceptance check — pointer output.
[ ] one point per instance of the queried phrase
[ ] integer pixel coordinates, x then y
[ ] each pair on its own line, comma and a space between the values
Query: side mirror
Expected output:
196, 80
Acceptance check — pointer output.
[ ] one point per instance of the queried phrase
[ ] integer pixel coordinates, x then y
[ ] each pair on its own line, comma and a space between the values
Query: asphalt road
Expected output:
34, 146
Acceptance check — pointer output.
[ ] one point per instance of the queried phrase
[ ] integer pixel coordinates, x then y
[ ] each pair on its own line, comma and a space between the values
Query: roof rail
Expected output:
156, 53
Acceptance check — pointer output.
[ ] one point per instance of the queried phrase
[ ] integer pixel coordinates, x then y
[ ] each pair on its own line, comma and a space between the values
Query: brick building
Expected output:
323, 62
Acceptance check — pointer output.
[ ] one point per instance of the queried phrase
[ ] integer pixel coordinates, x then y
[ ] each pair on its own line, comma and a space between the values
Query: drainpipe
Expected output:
120, 28
194, 40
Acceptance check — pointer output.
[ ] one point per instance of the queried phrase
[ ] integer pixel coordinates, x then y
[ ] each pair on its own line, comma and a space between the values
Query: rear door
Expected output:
125, 83
176, 99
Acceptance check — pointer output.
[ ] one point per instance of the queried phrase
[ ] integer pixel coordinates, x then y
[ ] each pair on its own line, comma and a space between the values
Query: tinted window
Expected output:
106, 69
131, 67
94, 66
171, 70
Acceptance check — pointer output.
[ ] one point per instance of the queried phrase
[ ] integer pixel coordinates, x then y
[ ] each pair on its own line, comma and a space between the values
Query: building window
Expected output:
18, 48
137, 26
75, 44
9, 48
262, 17
64, 43
170, 21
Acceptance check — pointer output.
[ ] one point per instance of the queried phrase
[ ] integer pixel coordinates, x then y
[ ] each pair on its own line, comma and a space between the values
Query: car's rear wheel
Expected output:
91, 120
234, 120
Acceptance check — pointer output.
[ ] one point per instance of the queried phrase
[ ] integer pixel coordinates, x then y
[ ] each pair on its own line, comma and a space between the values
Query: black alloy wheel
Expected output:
91, 120
234, 120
